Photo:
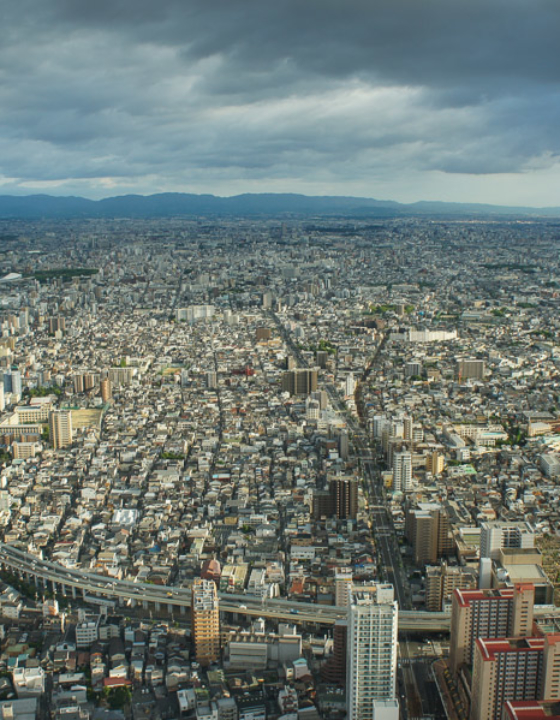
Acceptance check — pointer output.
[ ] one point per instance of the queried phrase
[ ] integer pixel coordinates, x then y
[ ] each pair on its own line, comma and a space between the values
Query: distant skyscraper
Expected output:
205, 621
371, 656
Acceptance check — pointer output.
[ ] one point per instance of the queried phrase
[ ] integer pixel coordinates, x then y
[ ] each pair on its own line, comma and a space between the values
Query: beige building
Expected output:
106, 390
205, 621
428, 532
512, 670
435, 463
442, 580
488, 614
60, 428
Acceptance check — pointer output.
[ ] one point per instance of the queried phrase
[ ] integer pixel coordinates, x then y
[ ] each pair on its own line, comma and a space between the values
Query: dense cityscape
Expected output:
279, 469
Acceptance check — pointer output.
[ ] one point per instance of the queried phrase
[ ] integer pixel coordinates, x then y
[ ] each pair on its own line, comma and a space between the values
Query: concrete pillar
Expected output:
145, 604
183, 610
74, 592
158, 606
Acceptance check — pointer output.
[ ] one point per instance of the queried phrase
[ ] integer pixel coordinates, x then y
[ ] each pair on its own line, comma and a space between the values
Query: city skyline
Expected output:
392, 100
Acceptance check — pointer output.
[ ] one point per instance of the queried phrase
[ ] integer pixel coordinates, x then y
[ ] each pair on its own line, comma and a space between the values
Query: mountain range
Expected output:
33, 207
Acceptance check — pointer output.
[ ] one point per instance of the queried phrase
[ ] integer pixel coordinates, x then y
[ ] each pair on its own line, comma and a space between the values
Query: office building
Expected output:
205, 621
488, 614
300, 381
60, 428
371, 653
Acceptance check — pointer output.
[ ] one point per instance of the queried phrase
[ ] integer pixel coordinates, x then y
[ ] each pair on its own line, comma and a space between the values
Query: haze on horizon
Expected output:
392, 99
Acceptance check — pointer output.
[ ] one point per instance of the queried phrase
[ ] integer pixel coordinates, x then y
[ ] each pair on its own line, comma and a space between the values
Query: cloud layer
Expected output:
406, 99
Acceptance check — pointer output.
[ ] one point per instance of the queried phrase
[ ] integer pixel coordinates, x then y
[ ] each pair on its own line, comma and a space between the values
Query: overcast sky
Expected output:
393, 99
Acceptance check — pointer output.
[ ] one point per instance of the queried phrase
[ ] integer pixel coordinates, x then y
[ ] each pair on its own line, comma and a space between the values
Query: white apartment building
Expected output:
371, 671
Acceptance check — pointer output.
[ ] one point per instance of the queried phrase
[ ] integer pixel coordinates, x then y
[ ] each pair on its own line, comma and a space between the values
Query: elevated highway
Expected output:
84, 586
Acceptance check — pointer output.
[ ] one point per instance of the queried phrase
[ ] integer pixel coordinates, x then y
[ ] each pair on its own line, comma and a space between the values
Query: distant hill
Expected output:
264, 205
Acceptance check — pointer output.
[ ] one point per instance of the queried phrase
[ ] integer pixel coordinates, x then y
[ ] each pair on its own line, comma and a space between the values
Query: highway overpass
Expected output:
85, 586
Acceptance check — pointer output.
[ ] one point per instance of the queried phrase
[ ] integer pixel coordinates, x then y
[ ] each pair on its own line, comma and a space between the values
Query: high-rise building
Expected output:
371, 655
60, 428
470, 369
495, 535
263, 334
334, 670
503, 613
78, 382
344, 494
300, 381
57, 324
106, 390
343, 587
12, 382
205, 621
402, 471
435, 463
427, 528
513, 669
442, 580
531, 710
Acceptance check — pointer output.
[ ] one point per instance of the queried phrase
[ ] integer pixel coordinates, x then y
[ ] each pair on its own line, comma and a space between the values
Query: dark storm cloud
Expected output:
157, 95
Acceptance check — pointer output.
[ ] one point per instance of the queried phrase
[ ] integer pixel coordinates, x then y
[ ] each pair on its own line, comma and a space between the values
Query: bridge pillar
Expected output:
158, 606
74, 592
145, 604
170, 608
183, 610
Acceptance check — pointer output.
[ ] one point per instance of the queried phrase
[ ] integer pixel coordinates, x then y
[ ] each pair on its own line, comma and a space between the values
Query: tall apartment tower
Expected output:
106, 390
427, 529
344, 496
371, 654
300, 381
343, 587
435, 462
513, 670
402, 471
205, 621
504, 613
60, 428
